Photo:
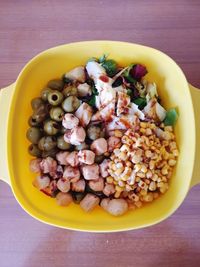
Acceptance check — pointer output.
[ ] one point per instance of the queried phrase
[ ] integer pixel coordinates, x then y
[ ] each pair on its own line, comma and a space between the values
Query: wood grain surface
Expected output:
28, 27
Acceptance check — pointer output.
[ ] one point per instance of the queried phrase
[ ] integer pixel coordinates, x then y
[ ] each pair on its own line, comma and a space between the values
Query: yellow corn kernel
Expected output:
116, 151
155, 195
138, 204
142, 130
152, 186
143, 124
148, 131
121, 183
141, 174
149, 174
172, 145
155, 177
128, 188
137, 167
151, 165
148, 197
147, 181
118, 133
152, 126
109, 179
164, 179
118, 188
148, 153
164, 170
144, 169
119, 171
172, 162
125, 178
117, 194
143, 192
164, 188
123, 156
168, 128
125, 148
128, 164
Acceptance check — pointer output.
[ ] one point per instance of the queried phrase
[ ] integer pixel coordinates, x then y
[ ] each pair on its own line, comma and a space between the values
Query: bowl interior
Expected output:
173, 89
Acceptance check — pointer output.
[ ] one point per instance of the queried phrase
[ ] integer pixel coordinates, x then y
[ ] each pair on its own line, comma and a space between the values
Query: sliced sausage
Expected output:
97, 185
72, 159
62, 157
104, 168
99, 146
71, 173
41, 182
63, 199
113, 142
90, 172
35, 165
109, 189
63, 185
89, 202
86, 156
79, 186
48, 165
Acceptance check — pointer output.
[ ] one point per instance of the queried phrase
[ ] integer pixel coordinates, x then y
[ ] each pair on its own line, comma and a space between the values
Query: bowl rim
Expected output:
41, 217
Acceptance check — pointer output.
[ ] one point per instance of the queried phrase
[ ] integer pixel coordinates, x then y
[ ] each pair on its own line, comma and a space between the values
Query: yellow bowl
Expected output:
15, 110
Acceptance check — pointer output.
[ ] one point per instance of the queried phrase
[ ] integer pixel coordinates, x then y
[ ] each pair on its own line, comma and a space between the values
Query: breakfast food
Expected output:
100, 136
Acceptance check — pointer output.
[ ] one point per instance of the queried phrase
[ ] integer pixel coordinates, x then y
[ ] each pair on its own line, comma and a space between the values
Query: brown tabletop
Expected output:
28, 27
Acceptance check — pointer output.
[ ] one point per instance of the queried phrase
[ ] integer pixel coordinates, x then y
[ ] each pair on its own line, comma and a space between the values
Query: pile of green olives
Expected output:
46, 132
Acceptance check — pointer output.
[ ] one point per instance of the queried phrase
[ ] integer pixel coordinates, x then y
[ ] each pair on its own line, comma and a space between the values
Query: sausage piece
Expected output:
89, 202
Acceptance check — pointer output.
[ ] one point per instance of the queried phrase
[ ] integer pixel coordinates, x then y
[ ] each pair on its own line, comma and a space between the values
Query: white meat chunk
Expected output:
70, 121
84, 114
123, 102
84, 89
76, 74
94, 70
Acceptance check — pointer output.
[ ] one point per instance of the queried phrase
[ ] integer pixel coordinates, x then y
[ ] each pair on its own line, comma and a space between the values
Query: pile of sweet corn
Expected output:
141, 168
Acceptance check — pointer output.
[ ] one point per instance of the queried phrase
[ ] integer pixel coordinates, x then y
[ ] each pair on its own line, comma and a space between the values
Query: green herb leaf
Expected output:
140, 102
127, 75
110, 66
103, 58
92, 101
171, 117
129, 92
94, 90
92, 59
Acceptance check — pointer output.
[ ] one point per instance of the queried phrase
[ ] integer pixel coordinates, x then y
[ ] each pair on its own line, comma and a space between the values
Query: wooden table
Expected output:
28, 27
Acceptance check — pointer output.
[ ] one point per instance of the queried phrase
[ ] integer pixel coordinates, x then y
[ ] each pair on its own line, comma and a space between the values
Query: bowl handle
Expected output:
5, 100
195, 93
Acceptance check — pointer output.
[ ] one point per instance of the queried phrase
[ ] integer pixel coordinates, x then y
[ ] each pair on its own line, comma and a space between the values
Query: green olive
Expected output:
34, 150
56, 113
47, 143
36, 103
51, 153
62, 130
56, 84
62, 144
45, 92
33, 135
94, 132
82, 146
55, 98
70, 90
33, 122
70, 104
51, 127
40, 114
98, 159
